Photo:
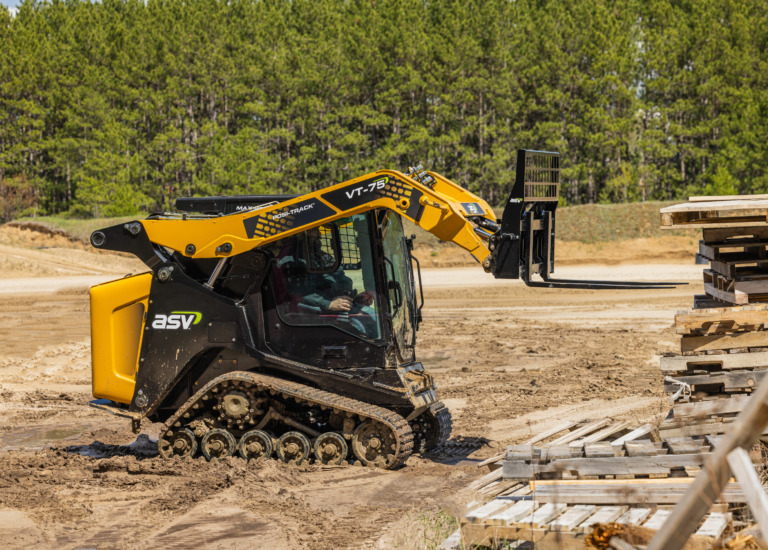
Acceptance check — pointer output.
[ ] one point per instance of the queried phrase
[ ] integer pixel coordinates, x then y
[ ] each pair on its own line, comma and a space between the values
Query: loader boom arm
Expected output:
519, 246
442, 208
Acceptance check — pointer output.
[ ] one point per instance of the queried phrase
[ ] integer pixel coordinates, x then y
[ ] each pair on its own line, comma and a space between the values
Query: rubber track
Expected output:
444, 421
394, 421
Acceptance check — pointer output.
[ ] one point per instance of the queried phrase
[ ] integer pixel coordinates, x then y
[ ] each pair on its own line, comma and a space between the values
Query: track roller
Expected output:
374, 444
330, 448
293, 447
218, 443
255, 445
180, 443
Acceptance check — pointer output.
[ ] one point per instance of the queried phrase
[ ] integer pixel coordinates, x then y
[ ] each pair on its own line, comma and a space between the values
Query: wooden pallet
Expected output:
563, 526
735, 289
742, 212
721, 320
619, 459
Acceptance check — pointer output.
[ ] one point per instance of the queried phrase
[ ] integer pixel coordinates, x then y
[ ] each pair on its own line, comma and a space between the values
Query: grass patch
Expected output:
425, 530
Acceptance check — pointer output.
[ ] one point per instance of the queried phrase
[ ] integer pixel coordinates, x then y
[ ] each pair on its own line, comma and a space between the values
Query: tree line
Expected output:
114, 107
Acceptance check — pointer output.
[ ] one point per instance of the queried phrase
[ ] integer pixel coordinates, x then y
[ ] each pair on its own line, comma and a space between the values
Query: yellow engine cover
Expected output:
118, 310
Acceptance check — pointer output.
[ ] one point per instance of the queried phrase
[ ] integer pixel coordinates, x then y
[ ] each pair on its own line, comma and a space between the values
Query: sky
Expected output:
10, 3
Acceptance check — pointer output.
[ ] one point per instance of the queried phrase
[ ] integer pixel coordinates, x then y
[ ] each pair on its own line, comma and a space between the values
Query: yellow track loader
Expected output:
285, 325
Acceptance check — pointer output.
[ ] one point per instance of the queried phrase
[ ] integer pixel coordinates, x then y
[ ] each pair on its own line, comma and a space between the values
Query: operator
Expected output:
321, 287
326, 291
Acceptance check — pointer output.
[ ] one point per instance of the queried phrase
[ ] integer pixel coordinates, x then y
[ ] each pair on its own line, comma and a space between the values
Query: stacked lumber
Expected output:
734, 240
723, 338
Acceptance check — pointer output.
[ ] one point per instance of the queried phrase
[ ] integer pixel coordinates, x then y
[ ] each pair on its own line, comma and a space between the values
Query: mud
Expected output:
510, 361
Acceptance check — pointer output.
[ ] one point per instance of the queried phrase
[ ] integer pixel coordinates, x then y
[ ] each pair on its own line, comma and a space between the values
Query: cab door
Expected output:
322, 304
401, 300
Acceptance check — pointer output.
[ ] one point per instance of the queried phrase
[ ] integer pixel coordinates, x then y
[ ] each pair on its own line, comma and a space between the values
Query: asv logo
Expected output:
176, 320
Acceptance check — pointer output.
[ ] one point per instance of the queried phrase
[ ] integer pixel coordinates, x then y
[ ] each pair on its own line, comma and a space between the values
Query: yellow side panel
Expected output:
117, 325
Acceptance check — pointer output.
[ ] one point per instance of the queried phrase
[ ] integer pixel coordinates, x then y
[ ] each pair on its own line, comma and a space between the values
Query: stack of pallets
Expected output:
723, 338
552, 492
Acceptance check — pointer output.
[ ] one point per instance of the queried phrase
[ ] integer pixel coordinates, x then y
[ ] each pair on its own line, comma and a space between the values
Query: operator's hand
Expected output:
341, 303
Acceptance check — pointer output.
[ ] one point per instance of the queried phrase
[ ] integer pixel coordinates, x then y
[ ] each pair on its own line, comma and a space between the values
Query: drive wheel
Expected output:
374, 444
330, 448
293, 447
218, 443
255, 445
180, 443
431, 428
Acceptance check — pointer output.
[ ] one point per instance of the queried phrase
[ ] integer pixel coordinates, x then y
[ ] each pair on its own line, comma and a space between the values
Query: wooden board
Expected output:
725, 361
715, 214
648, 492
724, 341
721, 320
660, 465
703, 409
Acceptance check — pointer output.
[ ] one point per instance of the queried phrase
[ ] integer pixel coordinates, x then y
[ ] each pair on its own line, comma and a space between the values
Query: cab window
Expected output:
325, 276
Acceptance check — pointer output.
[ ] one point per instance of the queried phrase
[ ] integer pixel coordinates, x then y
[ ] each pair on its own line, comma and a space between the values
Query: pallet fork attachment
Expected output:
524, 244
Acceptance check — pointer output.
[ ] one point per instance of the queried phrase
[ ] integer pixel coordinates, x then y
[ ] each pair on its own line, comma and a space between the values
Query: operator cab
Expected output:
341, 295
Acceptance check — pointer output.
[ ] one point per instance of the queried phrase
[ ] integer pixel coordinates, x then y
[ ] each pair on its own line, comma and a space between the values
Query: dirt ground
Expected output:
509, 361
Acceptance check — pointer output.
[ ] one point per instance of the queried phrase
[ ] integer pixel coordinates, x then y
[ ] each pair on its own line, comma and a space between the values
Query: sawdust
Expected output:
509, 361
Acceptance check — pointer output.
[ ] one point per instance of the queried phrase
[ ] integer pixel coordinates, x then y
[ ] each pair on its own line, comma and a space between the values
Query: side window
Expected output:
325, 276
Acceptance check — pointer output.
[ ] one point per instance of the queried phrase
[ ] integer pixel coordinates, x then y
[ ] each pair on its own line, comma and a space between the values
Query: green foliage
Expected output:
118, 106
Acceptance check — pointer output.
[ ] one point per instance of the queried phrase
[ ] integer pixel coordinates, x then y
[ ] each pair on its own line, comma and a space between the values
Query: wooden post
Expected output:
714, 474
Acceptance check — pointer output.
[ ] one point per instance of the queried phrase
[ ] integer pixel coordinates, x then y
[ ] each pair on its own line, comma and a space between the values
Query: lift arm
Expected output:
519, 246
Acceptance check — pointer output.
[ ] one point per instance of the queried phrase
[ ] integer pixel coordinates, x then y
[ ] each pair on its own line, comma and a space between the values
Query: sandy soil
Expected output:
510, 361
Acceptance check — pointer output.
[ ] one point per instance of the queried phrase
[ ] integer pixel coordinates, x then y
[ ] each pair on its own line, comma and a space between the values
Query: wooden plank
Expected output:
544, 514
634, 434
724, 341
685, 445
703, 409
743, 469
657, 519
727, 361
494, 507
581, 432
486, 479
727, 198
642, 448
572, 517
634, 516
599, 450
647, 465
722, 234
604, 492
728, 319
559, 451
549, 433
519, 510
739, 204
714, 525
607, 432
605, 514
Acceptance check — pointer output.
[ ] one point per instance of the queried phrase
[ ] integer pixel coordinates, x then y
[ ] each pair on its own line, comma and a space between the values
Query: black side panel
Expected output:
363, 192
184, 322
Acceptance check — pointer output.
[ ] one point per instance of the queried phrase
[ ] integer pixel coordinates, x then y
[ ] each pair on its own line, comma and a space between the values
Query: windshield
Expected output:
402, 305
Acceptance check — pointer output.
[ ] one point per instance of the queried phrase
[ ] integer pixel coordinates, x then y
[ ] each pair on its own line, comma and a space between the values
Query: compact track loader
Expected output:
286, 324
